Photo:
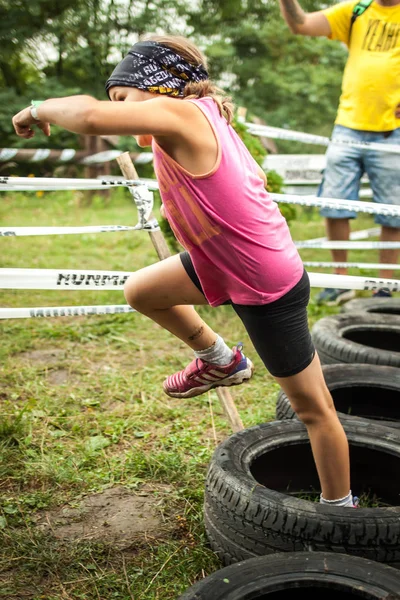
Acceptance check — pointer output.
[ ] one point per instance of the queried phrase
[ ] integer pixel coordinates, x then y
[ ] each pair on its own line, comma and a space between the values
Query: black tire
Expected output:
317, 575
252, 505
358, 337
367, 391
388, 306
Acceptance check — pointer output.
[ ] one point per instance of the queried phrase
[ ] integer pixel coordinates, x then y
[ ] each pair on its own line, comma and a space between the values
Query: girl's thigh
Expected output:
279, 331
162, 285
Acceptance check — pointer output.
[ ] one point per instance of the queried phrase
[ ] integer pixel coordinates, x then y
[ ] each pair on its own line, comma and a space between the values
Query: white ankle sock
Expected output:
345, 501
217, 354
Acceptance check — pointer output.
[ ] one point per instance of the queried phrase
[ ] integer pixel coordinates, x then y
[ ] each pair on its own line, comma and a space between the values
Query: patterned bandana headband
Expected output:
155, 68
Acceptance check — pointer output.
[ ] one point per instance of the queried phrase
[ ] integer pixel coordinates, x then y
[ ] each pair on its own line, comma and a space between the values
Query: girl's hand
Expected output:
23, 122
397, 111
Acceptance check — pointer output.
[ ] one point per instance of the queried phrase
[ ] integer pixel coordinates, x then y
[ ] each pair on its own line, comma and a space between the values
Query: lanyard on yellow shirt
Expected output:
358, 10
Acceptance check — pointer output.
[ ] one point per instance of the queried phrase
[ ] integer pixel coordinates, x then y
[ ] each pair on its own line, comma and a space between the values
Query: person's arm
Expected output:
86, 115
302, 23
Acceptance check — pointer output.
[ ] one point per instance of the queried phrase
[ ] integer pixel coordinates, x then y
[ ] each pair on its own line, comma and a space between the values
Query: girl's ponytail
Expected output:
207, 88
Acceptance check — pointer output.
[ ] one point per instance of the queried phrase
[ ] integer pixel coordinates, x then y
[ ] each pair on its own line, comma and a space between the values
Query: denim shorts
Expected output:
345, 166
279, 330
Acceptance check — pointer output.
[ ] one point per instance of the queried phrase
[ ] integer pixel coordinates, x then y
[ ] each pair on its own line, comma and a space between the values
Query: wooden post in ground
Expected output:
129, 172
230, 409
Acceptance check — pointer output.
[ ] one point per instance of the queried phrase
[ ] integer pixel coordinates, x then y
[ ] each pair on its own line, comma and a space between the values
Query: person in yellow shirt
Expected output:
369, 111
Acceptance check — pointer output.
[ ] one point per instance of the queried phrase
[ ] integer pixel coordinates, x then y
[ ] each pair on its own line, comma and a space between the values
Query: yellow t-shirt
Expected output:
371, 79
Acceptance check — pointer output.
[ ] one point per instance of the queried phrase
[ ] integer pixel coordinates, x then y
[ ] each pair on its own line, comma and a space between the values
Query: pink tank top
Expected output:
237, 238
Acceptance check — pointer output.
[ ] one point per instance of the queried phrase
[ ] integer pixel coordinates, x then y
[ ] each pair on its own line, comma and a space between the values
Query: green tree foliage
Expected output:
252, 142
287, 80
62, 47
21, 25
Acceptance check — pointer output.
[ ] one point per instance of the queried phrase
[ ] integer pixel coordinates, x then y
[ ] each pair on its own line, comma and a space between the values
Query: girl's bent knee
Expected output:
134, 293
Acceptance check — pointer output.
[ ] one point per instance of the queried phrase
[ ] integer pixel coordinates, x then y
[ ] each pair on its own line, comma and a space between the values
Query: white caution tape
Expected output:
348, 245
287, 134
372, 208
63, 279
53, 188
52, 279
7, 153
40, 155
101, 157
352, 265
309, 138
67, 154
144, 200
25, 231
48, 183
64, 311
41, 183
352, 282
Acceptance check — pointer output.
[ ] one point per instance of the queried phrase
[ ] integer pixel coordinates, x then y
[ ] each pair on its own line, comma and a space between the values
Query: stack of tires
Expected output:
366, 331
261, 510
294, 575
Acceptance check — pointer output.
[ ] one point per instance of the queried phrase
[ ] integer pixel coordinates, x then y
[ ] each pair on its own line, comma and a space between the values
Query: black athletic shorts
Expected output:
279, 330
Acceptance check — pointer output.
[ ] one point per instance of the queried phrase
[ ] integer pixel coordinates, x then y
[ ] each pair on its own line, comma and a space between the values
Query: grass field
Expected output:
102, 474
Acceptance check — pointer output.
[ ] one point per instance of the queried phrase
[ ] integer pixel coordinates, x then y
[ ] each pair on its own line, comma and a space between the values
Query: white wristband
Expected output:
33, 108
34, 114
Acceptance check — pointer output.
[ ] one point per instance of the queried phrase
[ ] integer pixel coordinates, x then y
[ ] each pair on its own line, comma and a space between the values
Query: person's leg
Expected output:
281, 336
165, 293
389, 256
341, 180
313, 404
338, 229
384, 176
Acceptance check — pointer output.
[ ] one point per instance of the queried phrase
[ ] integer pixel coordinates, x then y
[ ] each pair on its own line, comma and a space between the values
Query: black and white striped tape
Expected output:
53, 279
64, 311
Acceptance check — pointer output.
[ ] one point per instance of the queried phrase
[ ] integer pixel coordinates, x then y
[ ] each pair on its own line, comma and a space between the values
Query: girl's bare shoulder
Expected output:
175, 105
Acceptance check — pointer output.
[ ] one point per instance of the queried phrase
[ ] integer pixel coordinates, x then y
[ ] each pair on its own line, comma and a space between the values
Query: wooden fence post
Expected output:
128, 170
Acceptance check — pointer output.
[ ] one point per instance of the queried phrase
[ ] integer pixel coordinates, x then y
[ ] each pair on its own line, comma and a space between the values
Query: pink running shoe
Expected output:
200, 376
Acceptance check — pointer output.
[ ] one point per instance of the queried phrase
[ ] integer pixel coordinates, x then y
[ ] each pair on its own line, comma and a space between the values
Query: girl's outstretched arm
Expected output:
86, 115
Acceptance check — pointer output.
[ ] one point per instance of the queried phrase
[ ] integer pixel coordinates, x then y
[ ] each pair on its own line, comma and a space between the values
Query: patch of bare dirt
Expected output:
47, 359
58, 377
48, 356
118, 515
